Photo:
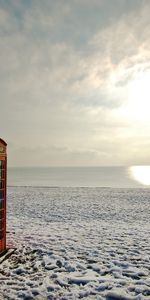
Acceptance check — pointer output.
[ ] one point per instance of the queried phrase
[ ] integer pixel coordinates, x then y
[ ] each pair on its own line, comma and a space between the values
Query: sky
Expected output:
75, 82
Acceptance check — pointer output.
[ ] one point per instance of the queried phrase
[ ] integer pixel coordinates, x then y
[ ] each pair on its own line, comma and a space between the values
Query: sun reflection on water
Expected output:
141, 174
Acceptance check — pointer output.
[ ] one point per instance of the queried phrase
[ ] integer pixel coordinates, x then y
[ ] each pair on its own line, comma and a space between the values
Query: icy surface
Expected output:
77, 243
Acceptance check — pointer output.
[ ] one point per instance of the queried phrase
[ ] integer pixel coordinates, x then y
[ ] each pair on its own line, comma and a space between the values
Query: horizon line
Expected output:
87, 166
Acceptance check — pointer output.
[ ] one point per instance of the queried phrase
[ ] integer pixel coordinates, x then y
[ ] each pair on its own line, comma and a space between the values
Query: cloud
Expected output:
65, 69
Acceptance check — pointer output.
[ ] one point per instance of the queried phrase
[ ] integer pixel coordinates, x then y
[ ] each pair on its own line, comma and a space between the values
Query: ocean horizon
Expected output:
87, 176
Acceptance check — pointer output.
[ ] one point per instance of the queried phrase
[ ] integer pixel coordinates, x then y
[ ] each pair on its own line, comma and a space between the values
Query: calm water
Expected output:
80, 176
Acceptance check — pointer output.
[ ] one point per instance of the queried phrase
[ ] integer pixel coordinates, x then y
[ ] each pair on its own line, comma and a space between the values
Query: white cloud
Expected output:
69, 96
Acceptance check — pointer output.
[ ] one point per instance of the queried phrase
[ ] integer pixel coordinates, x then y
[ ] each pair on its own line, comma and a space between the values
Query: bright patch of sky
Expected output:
74, 81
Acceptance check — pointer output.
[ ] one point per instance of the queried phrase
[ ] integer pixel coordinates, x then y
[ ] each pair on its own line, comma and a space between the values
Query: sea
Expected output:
114, 177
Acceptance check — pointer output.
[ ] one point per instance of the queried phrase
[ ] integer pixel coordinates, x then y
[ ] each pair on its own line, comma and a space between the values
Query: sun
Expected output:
138, 106
141, 174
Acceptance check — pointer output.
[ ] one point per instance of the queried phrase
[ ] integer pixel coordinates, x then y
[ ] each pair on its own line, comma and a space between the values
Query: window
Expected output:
1, 224
1, 184
1, 214
1, 194
1, 203
1, 234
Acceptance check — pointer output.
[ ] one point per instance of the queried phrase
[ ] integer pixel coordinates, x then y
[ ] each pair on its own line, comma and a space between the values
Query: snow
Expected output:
77, 243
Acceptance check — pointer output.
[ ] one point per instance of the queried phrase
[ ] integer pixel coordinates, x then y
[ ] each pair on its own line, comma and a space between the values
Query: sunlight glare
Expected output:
141, 174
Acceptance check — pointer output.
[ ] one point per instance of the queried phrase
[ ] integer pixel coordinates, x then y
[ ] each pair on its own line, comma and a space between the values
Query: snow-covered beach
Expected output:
74, 243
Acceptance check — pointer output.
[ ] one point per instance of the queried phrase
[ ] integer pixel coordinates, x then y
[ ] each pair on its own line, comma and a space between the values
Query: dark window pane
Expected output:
1, 224
1, 194
1, 204
1, 234
1, 184
2, 164
2, 174
1, 214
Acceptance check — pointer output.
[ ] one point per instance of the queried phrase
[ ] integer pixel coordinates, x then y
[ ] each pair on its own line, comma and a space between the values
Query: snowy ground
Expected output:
74, 243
